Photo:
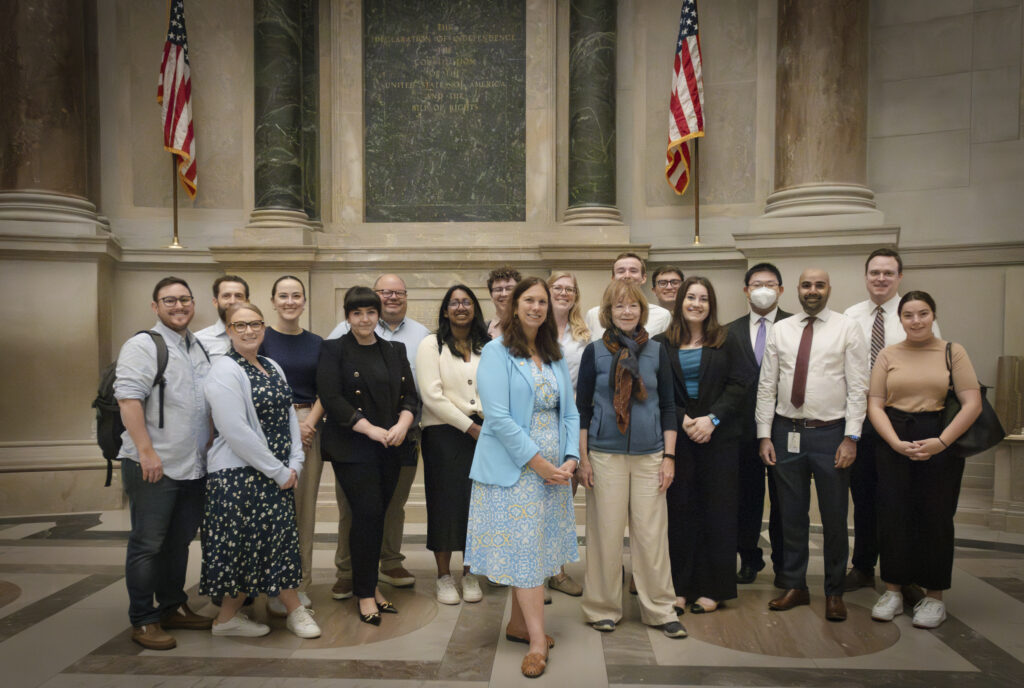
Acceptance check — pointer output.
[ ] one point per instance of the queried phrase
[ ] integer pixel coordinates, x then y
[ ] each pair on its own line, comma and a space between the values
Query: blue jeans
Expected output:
165, 518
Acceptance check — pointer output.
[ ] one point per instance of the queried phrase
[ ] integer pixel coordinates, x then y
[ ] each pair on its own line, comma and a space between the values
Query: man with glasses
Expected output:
163, 465
501, 282
666, 281
763, 287
392, 326
227, 291
630, 267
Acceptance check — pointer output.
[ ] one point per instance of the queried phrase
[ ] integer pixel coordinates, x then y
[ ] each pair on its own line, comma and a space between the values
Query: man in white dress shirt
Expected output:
392, 326
227, 291
630, 266
880, 323
811, 401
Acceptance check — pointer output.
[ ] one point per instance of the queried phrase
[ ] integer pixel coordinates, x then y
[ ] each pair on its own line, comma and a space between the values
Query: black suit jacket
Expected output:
722, 388
748, 368
347, 396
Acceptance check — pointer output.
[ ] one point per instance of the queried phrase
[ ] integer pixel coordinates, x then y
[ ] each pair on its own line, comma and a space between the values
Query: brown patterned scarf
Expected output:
626, 382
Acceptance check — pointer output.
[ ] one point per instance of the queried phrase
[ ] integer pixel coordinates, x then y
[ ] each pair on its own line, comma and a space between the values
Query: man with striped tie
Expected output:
880, 322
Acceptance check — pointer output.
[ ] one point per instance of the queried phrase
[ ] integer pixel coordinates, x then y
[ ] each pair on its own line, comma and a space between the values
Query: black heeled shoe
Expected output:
372, 619
386, 607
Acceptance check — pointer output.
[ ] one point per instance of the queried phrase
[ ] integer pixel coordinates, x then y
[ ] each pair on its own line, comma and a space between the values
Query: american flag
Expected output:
174, 92
686, 105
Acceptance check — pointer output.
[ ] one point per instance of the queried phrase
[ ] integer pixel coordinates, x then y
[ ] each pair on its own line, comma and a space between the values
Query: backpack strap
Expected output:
161, 366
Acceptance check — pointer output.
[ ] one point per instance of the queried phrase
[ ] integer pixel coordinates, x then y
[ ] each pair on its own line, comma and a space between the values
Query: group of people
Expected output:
672, 421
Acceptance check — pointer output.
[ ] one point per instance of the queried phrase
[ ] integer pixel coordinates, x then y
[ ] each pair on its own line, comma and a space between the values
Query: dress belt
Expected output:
811, 423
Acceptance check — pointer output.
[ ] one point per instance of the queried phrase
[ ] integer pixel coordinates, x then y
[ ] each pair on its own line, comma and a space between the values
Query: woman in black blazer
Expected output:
702, 501
367, 390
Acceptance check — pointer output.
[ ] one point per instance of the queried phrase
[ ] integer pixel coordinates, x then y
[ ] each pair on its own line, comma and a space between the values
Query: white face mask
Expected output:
763, 297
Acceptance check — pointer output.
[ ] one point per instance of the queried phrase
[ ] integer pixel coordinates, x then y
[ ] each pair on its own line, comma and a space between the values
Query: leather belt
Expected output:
811, 423
303, 406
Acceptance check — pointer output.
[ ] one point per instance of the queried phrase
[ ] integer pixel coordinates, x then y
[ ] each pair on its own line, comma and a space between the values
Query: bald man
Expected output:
811, 401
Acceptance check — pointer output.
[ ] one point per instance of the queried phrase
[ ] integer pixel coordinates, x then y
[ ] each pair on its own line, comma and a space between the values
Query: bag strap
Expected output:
949, 363
161, 366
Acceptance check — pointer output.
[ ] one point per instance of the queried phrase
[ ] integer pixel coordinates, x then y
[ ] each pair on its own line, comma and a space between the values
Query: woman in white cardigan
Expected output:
250, 540
446, 375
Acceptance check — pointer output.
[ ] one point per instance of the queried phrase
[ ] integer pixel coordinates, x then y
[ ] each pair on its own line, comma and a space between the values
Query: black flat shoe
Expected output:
698, 609
678, 610
372, 619
387, 607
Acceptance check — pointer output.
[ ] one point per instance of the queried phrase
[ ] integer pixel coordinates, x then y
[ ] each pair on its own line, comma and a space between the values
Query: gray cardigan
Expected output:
240, 440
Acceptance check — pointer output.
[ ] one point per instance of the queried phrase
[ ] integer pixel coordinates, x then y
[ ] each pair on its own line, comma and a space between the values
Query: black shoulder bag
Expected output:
986, 431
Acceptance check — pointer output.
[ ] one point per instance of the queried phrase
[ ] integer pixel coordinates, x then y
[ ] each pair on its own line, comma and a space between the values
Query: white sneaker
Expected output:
929, 613
242, 626
300, 622
447, 593
471, 591
888, 606
276, 607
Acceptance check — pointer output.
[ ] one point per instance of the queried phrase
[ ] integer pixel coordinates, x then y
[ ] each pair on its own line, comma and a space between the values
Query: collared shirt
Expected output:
755, 324
837, 373
181, 443
658, 320
572, 350
409, 332
215, 338
864, 314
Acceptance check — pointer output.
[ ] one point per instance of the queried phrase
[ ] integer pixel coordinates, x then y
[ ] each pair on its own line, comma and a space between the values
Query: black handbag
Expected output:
985, 432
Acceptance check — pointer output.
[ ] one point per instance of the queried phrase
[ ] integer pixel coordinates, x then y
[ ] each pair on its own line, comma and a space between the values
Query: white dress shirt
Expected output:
658, 320
215, 338
755, 324
864, 314
837, 373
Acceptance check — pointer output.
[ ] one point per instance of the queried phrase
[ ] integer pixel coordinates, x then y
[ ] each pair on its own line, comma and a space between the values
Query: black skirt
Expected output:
447, 458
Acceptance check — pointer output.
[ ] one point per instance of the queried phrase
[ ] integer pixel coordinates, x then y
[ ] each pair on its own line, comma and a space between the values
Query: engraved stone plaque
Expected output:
444, 97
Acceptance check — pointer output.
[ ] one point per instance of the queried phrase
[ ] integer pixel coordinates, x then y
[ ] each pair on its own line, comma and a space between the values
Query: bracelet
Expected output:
943, 443
668, 456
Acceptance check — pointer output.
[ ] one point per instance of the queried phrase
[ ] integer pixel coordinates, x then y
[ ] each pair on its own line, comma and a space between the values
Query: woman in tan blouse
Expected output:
918, 479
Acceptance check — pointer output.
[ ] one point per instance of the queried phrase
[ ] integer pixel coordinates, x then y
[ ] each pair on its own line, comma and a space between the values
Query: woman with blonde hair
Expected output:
573, 333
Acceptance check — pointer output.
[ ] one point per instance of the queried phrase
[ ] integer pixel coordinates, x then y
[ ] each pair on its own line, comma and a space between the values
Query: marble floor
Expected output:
63, 622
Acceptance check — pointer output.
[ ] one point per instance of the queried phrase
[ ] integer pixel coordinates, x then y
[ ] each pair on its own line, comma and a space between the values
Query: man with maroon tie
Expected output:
811, 401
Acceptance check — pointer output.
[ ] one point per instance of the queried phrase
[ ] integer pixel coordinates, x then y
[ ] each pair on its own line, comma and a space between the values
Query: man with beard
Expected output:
811, 401
227, 291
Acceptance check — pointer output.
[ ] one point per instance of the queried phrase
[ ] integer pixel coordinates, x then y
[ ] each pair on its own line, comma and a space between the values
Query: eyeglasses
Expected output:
169, 301
457, 303
758, 285
241, 327
668, 283
559, 289
503, 290
389, 293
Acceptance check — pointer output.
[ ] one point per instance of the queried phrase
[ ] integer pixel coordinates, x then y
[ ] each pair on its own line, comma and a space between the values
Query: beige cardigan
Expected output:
447, 386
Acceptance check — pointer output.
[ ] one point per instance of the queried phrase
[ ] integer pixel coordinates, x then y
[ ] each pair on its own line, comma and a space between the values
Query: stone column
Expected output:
592, 41
311, 111
277, 67
821, 110
44, 130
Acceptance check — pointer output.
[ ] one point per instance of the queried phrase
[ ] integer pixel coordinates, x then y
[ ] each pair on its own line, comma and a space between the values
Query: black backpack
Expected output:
108, 414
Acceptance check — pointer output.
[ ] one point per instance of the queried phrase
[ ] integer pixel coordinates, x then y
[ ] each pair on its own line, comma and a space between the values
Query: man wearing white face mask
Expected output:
763, 287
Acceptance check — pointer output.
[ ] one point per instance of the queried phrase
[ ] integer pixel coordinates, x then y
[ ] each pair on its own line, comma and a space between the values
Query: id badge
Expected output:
793, 442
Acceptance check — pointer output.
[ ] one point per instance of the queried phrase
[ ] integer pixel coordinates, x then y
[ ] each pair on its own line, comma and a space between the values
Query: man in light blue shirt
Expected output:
227, 291
392, 326
163, 465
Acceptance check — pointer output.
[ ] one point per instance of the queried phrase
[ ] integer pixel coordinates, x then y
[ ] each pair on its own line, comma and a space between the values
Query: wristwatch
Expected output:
855, 438
714, 419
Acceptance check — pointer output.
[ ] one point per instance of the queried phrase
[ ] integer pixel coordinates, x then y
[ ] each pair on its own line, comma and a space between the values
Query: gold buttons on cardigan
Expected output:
359, 391
355, 374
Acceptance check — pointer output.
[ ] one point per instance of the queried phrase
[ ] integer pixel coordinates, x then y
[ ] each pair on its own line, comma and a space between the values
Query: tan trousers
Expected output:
306, 492
627, 487
394, 524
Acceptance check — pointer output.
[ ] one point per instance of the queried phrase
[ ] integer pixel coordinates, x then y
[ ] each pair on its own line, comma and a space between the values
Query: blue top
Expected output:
507, 393
298, 355
689, 361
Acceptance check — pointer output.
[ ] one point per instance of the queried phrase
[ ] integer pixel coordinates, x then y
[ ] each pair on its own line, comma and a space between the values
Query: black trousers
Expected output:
793, 474
917, 501
864, 489
751, 478
368, 488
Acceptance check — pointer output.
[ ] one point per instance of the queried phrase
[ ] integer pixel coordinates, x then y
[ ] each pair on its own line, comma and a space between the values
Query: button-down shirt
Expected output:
409, 332
181, 443
658, 320
215, 338
864, 314
837, 373
755, 324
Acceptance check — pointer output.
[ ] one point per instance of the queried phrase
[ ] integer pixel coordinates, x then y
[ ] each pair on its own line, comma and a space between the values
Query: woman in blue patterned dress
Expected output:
521, 523
250, 541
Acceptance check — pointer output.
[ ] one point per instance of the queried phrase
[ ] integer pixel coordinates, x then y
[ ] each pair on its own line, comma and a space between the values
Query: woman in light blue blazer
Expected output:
521, 523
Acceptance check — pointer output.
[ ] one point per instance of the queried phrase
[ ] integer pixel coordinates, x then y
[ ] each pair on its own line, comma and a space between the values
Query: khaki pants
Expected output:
306, 492
627, 487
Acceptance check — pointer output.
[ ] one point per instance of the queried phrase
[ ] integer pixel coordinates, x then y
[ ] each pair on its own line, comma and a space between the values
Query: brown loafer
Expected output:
534, 664
524, 639
153, 637
835, 608
186, 619
857, 579
792, 598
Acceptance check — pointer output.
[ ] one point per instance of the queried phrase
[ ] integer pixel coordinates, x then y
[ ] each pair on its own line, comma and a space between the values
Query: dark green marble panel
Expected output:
310, 109
444, 93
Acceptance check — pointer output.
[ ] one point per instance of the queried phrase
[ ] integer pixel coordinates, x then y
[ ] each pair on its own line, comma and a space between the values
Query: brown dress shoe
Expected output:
341, 590
186, 619
835, 608
857, 579
153, 637
792, 598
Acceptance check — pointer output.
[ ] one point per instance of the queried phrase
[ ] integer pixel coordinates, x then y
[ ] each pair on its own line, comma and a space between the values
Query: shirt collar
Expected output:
823, 316
384, 327
172, 337
889, 306
770, 316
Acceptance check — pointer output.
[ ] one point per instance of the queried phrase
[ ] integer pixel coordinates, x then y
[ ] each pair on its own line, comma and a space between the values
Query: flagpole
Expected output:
696, 191
174, 201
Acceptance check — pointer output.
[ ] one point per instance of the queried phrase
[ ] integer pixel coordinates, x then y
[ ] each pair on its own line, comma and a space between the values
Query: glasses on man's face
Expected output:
758, 285
559, 289
662, 284
502, 290
241, 327
460, 303
169, 301
392, 293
